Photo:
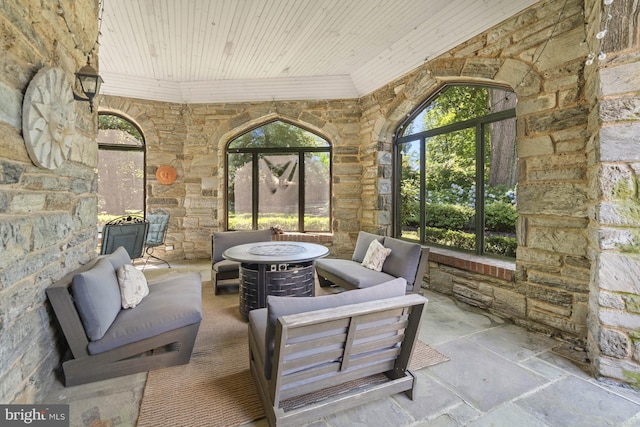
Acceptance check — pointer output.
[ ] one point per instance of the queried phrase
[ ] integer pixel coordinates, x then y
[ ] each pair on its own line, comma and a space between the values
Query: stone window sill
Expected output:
486, 266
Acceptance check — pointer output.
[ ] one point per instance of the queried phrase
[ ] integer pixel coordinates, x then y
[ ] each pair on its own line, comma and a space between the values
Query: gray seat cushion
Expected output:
173, 302
362, 244
403, 260
226, 265
282, 306
353, 272
97, 297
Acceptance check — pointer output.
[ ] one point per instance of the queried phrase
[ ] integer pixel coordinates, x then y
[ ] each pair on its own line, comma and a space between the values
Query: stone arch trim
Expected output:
120, 107
510, 73
231, 133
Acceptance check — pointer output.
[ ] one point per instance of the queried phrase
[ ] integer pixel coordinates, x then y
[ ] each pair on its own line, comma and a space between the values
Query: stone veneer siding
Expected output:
47, 217
614, 178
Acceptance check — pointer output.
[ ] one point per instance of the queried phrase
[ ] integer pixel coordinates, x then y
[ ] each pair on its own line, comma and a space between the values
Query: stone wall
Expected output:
47, 217
193, 139
614, 157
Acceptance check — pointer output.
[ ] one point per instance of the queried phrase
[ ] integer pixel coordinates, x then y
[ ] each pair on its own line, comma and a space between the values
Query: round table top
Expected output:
275, 252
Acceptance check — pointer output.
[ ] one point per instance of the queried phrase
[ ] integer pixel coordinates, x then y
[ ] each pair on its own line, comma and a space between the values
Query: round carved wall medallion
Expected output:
48, 118
166, 174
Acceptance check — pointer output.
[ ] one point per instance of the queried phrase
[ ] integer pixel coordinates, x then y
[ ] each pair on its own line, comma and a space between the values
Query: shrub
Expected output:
501, 216
501, 245
458, 239
452, 217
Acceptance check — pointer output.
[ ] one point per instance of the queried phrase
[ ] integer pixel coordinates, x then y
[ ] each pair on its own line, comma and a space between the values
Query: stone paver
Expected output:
482, 378
572, 401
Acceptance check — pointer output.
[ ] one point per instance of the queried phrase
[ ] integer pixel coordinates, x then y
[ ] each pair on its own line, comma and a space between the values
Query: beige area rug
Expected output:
216, 387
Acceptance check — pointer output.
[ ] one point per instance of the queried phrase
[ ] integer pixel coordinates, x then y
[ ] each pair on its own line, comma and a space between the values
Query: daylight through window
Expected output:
120, 168
456, 171
278, 175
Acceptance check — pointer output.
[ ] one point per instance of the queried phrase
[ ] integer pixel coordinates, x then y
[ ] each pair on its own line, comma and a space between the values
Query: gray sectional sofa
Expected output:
407, 260
106, 340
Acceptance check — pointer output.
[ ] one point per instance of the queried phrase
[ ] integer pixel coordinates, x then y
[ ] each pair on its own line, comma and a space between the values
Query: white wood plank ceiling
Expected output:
196, 51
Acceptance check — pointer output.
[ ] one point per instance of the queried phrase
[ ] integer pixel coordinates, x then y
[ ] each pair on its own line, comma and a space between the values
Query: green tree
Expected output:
109, 121
451, 156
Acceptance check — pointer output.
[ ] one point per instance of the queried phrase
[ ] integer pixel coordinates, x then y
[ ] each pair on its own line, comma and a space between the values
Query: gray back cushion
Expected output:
282, 306
97, 297
403, 260
223, 240
118, 257
362, 244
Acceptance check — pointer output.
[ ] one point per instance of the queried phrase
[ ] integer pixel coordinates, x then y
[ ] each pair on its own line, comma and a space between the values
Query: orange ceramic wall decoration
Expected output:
166, 174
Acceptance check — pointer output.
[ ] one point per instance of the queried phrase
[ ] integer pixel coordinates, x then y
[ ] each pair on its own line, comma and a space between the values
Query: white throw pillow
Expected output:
133, 285
375, 256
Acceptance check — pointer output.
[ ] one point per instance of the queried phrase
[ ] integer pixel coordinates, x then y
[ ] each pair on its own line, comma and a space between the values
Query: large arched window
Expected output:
279, 175
120, 168
455, 162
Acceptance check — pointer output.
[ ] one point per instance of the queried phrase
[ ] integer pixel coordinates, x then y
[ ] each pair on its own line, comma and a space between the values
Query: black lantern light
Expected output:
90, 82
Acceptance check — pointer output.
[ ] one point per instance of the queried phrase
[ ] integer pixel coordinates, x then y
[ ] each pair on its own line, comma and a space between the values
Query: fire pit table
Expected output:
274, 268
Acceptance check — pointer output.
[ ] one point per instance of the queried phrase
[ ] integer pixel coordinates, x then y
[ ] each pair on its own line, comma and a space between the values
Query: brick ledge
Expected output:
304, 237
486, 266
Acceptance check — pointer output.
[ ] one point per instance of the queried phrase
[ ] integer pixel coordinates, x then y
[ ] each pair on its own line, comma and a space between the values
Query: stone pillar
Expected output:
614, 325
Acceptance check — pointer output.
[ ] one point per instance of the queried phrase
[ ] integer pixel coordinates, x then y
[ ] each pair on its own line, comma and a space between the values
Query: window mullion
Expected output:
423, 190
301, 191
480, 153
255, 185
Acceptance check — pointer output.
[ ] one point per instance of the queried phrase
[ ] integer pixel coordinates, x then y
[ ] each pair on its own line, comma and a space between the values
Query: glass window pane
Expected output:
278, 134
278, 191
469, 180
115, 130
410, 178
279, 146
239, 200
451, 190
317, 192
500, 177
120, 172
120, 184
454, 104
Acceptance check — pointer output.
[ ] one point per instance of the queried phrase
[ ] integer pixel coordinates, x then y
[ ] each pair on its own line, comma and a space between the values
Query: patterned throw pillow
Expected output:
375, 256
133, 285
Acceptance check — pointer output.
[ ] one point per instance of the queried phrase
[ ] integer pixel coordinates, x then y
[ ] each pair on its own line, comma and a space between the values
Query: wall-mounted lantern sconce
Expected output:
90, 82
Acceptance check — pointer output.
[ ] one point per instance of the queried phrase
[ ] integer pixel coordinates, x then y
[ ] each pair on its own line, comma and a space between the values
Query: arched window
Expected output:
120, 168
455, 162
279, 175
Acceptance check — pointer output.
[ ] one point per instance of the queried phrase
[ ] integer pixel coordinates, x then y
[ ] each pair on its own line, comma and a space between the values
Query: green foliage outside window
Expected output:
109, 121
449, 130
280, 156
